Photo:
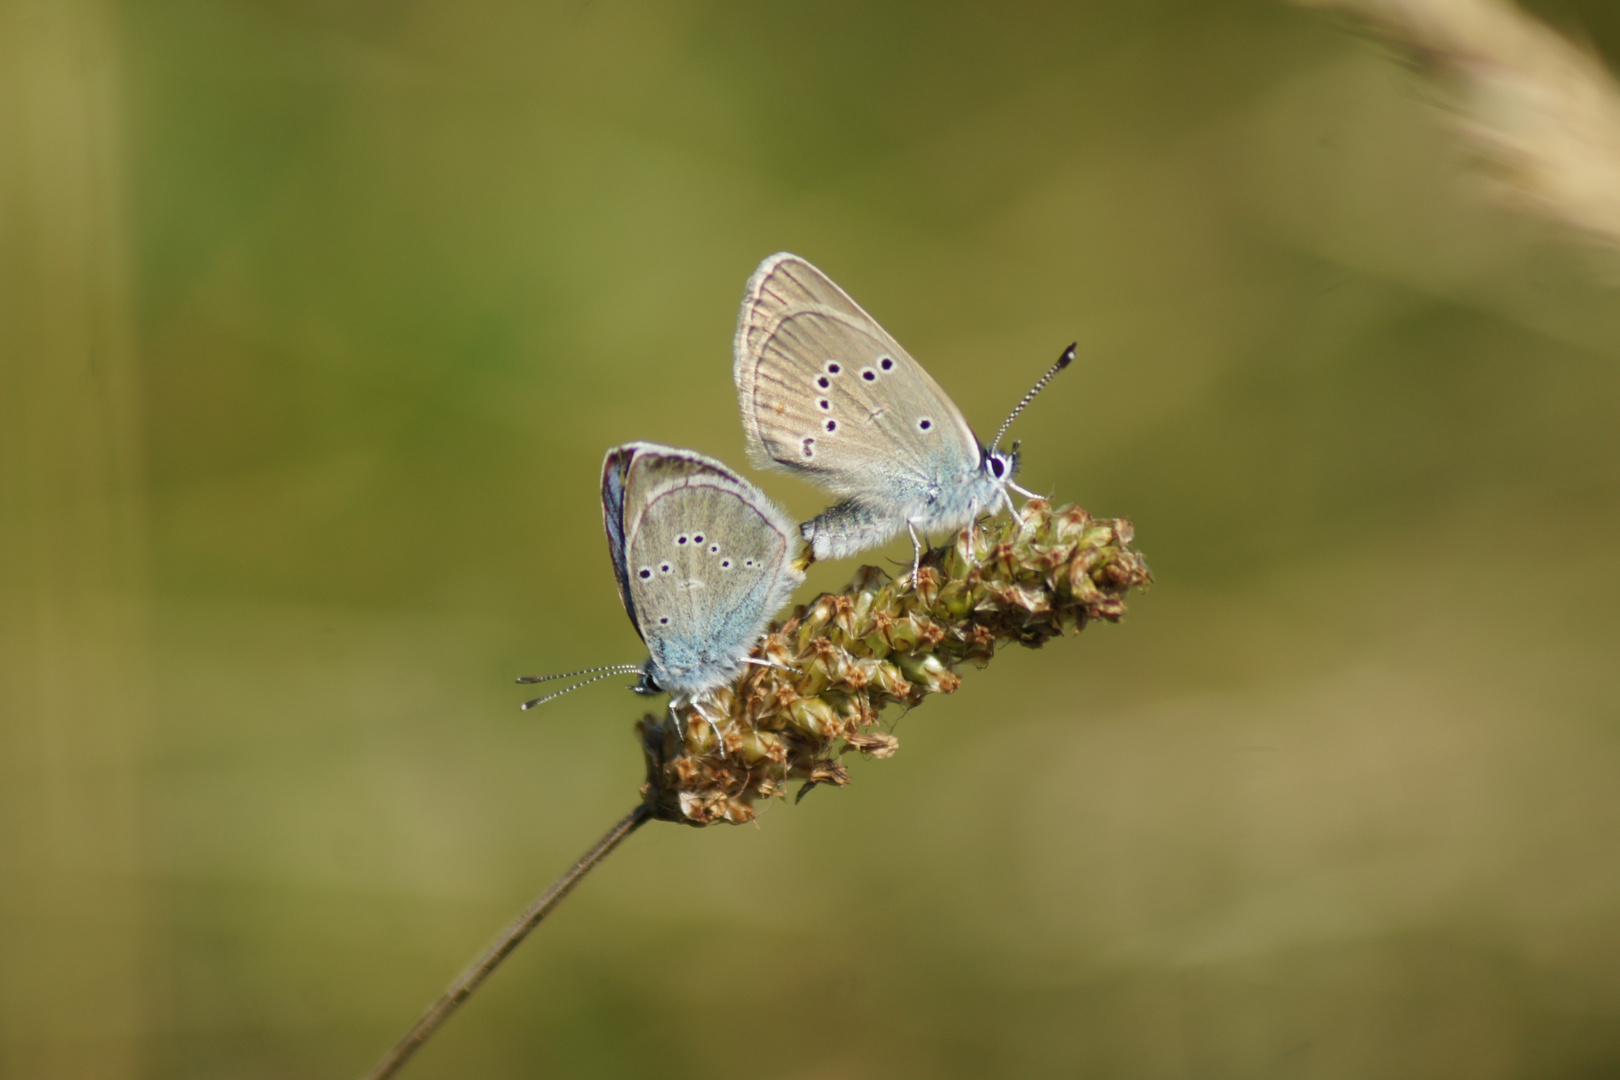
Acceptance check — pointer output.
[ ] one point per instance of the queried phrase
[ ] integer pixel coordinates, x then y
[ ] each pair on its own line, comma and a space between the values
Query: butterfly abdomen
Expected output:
848, 528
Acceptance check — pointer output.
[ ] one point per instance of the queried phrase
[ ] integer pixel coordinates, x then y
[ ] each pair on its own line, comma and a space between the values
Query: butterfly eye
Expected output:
924, 424
998, 468
886, 364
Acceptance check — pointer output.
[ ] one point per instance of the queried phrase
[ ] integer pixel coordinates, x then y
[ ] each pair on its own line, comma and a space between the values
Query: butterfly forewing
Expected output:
825, 390
785, 282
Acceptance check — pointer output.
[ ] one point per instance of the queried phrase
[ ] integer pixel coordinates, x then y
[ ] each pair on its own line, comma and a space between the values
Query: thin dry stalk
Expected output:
833, 666
480, 969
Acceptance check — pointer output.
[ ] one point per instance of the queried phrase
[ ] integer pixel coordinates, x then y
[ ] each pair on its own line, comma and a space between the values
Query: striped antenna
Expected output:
1040, 384
612, 669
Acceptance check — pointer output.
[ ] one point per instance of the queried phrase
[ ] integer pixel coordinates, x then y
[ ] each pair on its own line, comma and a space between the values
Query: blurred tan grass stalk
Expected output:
1541, 113
75, 993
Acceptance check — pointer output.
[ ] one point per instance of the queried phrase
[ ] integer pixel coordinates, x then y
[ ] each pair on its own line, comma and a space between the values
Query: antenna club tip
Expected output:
1068, 356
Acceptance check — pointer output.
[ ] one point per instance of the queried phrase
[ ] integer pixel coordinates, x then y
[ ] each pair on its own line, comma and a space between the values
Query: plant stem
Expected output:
479, 970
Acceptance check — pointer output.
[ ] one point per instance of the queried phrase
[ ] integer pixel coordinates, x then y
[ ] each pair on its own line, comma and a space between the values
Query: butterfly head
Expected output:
646, 685
999, 465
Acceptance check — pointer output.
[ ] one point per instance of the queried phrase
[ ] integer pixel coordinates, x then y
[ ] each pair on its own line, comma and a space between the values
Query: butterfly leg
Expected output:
675, 719
916, 552
1024, 491
1006, 499
719, 740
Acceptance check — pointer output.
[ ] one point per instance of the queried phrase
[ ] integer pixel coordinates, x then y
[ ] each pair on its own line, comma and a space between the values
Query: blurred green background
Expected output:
319, 317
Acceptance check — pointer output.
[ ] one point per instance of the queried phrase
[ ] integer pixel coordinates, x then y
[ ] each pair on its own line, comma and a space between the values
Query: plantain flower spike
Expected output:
837, 661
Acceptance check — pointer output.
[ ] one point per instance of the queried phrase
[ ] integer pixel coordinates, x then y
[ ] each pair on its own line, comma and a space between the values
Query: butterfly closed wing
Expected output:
828, 394
702, 558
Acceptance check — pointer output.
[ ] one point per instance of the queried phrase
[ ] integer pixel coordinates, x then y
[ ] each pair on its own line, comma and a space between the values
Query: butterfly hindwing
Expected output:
702, 556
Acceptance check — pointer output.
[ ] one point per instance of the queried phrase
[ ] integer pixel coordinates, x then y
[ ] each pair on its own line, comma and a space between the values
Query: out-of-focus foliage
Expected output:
1541, 113
1338, 798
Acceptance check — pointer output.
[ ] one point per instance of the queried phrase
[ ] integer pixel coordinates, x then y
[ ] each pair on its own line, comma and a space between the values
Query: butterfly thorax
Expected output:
938, 504
686, 672
959, 499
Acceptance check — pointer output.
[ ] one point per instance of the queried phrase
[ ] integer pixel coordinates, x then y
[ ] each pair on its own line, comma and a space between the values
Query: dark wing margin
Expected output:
614, 468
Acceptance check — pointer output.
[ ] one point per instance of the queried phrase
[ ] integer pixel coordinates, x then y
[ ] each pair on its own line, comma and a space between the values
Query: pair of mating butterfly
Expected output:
703, 559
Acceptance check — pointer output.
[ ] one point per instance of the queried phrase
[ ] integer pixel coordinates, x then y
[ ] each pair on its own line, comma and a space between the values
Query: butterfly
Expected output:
702, 559
828, 394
